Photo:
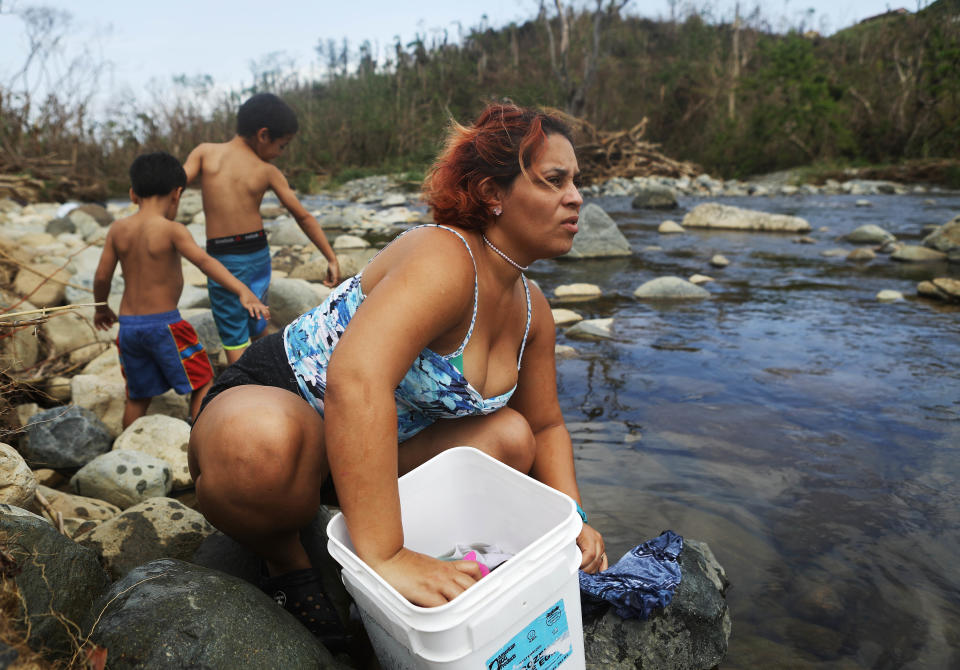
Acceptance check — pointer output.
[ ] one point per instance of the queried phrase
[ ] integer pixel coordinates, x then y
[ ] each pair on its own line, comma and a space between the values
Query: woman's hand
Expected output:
592, 548
427, 581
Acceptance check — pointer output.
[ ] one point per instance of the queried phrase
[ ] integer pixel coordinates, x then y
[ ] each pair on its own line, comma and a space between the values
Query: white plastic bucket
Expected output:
526, 613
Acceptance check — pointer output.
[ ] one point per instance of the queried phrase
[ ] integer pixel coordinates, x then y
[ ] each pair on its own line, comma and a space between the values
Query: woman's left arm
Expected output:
536, 399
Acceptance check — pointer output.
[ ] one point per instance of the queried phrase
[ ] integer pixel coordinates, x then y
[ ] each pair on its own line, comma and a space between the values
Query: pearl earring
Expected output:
497, 210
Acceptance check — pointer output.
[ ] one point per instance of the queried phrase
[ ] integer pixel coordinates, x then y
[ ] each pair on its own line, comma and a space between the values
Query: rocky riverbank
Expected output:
103, 555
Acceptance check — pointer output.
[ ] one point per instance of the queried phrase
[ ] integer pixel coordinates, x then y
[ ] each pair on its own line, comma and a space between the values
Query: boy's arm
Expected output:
104, 317
194, 164
307, 223
214, 269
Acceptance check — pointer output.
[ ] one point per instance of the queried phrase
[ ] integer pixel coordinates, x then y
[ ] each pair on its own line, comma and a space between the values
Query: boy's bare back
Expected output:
152, 273
233, 179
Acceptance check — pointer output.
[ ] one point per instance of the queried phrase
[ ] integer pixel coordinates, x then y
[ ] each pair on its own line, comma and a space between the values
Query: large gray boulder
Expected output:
155, 528
726, 217
64, 437
289, 298
168, 615
285, 232
598, 236
691, 633
58, 581
655, 197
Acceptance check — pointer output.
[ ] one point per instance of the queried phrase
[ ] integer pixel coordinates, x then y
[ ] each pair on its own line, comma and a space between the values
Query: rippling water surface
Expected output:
809, 433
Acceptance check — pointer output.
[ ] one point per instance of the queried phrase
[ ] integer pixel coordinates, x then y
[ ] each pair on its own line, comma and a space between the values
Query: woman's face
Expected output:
541, 210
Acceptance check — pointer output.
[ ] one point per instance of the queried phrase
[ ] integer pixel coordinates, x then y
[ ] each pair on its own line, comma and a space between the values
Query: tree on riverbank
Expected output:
736, 97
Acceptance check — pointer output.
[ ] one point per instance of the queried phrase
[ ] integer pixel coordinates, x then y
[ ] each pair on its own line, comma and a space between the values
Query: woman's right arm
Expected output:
402, 314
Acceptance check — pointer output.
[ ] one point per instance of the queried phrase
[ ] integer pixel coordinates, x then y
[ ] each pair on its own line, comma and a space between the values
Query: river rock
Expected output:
168, 615
714, 215
577, 291
59, 580
284, 232
861, 254
193, 297
942, 288
72, 333
202, 322
73, 506
700, 279
655, 197
17, 482
155, 528
691, 632
191, 204
104, 395
19, 349
123, 478
64, 437
889, 296
719, 261
598, 236
289, 298
945, 238
42, 284
565, 317
59, 226
870, 234
98, 212
833, 253
916, 254
350, 242
591, 329
670, 288
162, 437
87, 226
564, 351
670, 228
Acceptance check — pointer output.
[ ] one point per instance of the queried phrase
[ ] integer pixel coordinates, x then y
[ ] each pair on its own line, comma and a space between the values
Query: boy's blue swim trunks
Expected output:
234, 323
159, 352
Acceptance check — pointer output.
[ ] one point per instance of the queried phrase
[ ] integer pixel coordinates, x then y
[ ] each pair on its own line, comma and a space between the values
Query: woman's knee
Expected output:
515, 443
257, 451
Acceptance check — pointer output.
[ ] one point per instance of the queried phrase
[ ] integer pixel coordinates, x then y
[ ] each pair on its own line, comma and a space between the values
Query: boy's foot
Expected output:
301, 593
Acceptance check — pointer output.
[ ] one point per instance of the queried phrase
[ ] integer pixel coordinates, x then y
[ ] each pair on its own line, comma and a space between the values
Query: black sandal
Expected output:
301, 593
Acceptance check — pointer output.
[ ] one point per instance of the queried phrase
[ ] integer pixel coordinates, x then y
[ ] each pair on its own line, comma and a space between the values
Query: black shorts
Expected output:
264, 363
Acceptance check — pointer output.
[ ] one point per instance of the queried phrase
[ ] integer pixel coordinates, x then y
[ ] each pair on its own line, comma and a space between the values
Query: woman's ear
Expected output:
492, 194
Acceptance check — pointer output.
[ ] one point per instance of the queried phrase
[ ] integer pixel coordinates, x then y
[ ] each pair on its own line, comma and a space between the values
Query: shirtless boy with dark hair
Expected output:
158, 349
234, 176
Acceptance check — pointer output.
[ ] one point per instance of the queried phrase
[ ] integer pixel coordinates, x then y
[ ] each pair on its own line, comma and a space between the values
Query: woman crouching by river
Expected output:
440, 341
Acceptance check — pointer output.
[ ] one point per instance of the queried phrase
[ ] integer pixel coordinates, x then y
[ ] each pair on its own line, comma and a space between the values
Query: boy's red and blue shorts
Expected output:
159, 352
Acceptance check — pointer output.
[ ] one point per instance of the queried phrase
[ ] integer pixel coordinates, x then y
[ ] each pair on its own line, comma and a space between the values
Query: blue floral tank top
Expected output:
433, 388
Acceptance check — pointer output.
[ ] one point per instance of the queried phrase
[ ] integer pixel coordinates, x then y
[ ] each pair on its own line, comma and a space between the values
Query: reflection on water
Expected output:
809, 433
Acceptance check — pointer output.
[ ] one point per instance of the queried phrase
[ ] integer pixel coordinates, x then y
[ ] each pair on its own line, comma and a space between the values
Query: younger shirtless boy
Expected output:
234, 176
158, 350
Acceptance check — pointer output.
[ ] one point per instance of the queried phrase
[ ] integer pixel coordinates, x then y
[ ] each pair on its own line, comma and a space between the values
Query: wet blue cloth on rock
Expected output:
640, 582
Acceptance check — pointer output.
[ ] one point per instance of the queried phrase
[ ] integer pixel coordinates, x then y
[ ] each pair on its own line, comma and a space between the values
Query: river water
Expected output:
808, 432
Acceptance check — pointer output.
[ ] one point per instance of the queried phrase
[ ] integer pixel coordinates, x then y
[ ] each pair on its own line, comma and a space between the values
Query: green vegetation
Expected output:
737, 98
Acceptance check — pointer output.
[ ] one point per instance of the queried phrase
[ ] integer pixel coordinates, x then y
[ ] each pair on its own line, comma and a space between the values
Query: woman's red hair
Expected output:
498, 146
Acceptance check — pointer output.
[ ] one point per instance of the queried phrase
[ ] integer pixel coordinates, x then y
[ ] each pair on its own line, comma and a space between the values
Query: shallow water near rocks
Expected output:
808, 432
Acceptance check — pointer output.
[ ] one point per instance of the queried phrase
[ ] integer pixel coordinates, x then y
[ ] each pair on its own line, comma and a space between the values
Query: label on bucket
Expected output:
543, 644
